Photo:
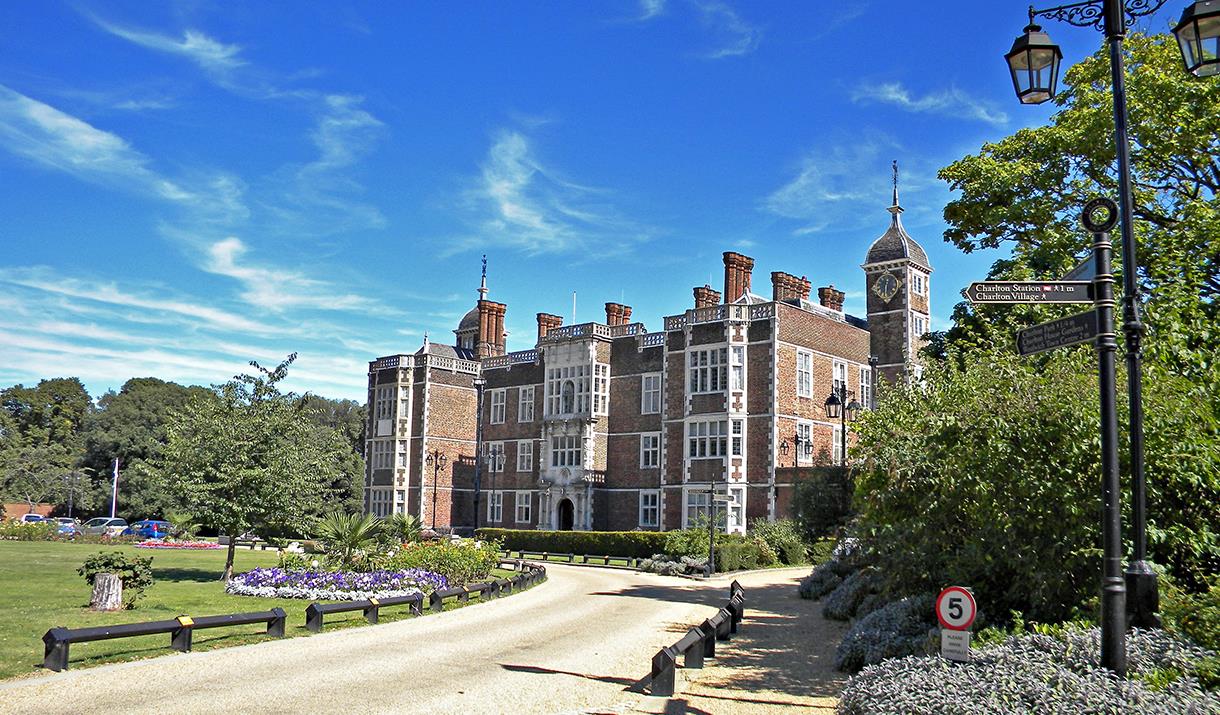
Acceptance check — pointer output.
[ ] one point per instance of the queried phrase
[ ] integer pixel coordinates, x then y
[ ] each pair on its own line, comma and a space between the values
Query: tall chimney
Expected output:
486, 320
831, 298
498, 335
626, 315
784, 286
614, 313
706, 297
547, 322
737, 270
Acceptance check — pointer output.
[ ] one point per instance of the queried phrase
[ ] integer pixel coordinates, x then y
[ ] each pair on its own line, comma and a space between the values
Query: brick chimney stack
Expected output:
547, 323
737, 270
706, 297
491, 329
617, 314
785, 286
831, 298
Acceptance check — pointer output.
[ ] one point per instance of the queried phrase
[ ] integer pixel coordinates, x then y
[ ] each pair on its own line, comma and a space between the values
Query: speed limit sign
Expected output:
955, 608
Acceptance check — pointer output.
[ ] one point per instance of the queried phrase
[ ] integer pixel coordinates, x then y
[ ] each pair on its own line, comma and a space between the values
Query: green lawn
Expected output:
40, 589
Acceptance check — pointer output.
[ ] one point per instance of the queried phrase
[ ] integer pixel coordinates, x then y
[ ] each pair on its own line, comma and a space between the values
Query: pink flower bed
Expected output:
196, 545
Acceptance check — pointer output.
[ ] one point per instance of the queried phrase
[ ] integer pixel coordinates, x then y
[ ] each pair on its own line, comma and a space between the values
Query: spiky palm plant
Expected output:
347, 537
401, 528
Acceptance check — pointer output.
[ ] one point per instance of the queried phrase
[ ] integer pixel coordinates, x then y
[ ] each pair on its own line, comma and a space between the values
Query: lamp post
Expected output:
479, 384
838, 407
798, 441
435, 459
1034, 64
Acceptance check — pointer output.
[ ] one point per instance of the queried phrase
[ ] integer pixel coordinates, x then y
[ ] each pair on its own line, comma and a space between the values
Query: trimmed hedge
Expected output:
640, 544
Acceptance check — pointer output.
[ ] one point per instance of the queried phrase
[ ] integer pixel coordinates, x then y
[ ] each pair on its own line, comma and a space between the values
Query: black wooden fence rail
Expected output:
698, 643
57, 640
631, 562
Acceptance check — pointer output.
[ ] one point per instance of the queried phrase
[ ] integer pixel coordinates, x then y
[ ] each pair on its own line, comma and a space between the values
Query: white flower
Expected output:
314, 563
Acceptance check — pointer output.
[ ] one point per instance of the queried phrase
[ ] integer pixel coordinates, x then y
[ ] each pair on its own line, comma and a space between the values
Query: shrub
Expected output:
999, 456
744, 554
182, 525
1036, 673
399, 528
36, 531
1195, 616
134, 571
628, 544
890, 630
347, 539
460, 561
842, 603
666, 566
784, 538
821, 551
820, 582
822, 502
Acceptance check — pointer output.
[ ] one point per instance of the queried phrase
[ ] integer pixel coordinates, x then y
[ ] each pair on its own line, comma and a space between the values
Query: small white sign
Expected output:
955, 645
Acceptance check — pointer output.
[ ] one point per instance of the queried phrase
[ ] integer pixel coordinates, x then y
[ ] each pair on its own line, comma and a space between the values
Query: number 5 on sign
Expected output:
955, 609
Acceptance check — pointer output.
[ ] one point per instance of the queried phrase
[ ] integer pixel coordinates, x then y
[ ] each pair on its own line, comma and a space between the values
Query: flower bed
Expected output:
334, 585
158, 544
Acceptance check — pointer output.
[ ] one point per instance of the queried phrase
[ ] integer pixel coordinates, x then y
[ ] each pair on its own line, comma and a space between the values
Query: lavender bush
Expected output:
334, 585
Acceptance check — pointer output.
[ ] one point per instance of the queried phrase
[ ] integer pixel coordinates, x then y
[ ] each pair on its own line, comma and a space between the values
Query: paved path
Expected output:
577, 644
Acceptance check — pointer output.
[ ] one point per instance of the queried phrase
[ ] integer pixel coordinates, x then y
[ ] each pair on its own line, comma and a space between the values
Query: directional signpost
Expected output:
1030, 292
1072, 330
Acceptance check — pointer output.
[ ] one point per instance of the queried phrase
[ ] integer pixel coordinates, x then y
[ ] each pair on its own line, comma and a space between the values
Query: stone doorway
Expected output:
566, 515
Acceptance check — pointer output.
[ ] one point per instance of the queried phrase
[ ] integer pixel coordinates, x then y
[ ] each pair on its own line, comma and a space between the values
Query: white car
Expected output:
99, 525
32, 518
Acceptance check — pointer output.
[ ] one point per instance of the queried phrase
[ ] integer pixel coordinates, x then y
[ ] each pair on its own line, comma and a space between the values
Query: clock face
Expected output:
886, 287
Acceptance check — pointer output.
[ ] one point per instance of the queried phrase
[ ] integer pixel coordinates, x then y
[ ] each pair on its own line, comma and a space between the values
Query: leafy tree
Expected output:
986, 474
131, 425
248, 459
1026, 191
347, 418
40, 438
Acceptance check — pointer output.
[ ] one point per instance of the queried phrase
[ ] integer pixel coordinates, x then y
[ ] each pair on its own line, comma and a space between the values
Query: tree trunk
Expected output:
107, 593
228, 574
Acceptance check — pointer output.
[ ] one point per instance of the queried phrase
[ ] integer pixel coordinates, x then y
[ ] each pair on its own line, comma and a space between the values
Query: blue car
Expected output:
148, 529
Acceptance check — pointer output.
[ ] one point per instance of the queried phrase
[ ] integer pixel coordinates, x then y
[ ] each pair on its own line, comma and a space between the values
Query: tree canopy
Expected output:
1026, 191
250, 459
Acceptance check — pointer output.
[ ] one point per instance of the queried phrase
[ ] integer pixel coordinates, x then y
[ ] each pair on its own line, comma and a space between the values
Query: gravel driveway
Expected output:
576, 644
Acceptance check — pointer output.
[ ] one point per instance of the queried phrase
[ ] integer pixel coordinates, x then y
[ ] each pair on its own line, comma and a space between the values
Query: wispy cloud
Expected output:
278, 289
950, 102
210, 54
832, 185
58, 140
650, 9
737, 36
519, 202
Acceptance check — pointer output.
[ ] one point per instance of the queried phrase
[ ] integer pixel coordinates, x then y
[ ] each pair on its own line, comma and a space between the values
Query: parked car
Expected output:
32, 518
99, 525
149, 529
68, 525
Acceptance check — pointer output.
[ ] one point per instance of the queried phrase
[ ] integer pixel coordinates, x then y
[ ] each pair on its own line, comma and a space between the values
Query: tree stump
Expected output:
107, 593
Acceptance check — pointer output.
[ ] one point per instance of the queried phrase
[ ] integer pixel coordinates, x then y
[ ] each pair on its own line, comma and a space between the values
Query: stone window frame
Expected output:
804, 429
708, 370
495, 506
654, 450
804, 377
687, 506
523, 501
525, 404
499, 403
525, 455
649, 405
645, 509
707, 438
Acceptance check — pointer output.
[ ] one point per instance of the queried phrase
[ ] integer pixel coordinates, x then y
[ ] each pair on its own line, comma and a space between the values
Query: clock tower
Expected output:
896, 272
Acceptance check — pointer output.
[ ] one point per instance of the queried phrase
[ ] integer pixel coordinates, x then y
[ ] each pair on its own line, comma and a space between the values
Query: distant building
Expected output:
607, 426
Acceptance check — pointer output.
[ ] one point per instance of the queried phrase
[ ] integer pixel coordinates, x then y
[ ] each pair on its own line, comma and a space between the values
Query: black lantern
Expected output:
853, 410
783, 448
1198, 34
1034, 64
833, 405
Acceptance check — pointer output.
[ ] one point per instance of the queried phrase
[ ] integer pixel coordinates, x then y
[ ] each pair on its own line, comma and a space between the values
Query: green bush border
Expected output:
640, 544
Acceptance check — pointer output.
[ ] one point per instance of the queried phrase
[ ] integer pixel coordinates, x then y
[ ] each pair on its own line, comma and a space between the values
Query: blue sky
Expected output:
188, 186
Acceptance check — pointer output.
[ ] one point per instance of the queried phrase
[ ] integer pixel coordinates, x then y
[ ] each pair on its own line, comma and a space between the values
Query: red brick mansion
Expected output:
607, 426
